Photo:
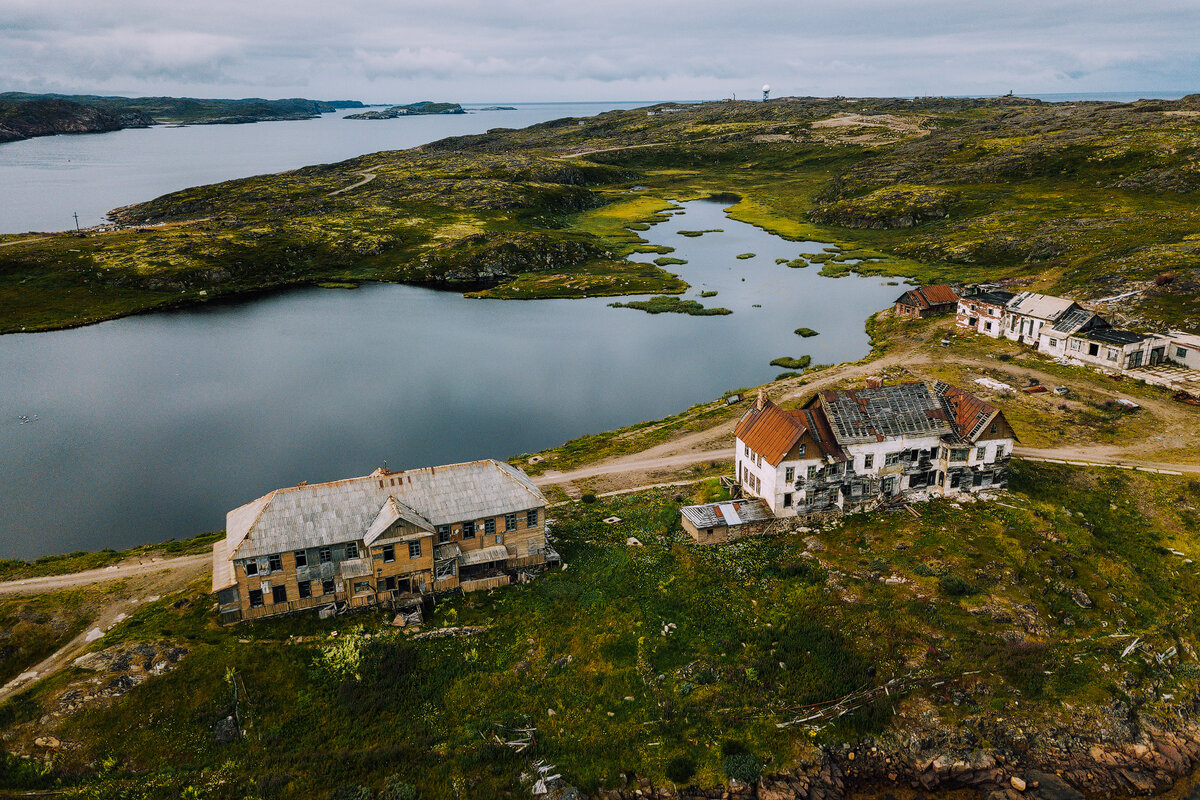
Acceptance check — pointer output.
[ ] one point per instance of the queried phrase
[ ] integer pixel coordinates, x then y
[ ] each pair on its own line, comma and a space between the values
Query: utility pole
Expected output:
76, 220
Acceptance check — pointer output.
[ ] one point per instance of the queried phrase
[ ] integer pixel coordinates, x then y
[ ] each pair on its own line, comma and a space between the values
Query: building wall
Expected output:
1078, 349
1189, 344
985, 318
522, 542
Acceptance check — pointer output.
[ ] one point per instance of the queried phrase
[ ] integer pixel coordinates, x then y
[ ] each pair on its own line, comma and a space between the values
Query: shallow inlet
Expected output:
154, 426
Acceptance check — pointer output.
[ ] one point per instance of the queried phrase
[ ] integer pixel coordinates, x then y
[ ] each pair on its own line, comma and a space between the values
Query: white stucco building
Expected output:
852, 448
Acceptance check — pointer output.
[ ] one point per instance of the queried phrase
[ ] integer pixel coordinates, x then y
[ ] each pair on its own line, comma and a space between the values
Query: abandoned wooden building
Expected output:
385, 537
927, 301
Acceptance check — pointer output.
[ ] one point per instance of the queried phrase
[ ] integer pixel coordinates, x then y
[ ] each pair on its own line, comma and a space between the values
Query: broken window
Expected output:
999, 451
933, 453
251, 567
531, 518
789, 474
324, 555
443, 534
812, 472
468, 530
256, 598
327, 586
444, 570
389, 583
892, 458
305, 588
275, 562
489, 526
980, 453
747, 451
362, 587
1135, 360
787, 499
1180, 352
389, 553
868, 461
414, 549
803, 449
351, 550
510, 522
960, 453
279, 594
301, 557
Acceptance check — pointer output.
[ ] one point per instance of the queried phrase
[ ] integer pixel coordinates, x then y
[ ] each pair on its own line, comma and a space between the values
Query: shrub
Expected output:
744, 767
680, 769
587, 497
924, 570
350, 791
954, 586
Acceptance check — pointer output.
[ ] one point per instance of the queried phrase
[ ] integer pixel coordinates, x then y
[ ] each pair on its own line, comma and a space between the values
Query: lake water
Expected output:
152, 427
43, 181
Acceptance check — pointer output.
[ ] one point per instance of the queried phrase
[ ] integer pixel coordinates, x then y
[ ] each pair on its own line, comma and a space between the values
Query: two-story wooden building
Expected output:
385, 536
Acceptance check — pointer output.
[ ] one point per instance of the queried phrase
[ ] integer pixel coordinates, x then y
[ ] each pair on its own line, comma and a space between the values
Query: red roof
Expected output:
771, 431
926, 296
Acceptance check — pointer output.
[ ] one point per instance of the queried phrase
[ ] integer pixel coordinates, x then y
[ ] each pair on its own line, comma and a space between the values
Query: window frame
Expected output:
489, 526
328, 586
510, 522
414, 553
351, 550
304, 589
531, 518
443, 534
275, 562
300, 557
789, 474
325, 555
279, 594
981, 453
468, 530
389, 553
250, 567
868, 461
251, 595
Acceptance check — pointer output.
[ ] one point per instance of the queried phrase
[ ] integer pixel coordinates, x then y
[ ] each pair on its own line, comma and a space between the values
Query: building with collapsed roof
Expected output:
927, 301
859, 447
982, 310
385, 537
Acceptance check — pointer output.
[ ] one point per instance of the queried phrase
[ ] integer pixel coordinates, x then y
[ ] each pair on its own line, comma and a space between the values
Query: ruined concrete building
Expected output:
388, 537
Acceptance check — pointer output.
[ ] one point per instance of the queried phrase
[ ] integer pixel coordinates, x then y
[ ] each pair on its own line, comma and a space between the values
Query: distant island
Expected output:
497, 108
24, 115
411, 110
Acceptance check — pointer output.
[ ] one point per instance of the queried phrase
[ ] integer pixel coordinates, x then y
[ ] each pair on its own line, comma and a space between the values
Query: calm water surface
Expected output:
154, 426
44, 180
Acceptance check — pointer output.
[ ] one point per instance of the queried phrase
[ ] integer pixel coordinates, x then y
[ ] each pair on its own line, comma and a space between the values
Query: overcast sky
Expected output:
506, 50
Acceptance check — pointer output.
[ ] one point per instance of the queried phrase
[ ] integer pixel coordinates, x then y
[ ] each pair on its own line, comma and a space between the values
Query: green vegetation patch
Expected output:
805, 332
744, 256
694, 234
792, 363
672, 305
667, 261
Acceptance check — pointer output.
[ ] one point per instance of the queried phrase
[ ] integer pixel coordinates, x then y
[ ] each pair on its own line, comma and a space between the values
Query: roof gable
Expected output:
770, 431
927, 296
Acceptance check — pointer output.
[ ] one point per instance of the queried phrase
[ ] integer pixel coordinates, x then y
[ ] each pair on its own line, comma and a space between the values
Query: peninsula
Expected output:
23, 115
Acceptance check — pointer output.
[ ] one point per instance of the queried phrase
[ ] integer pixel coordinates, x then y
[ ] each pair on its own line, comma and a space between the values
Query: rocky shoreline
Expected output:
1070, 764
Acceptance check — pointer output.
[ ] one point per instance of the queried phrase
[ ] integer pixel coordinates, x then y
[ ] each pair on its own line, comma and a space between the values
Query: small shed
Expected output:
717, 523
927, 301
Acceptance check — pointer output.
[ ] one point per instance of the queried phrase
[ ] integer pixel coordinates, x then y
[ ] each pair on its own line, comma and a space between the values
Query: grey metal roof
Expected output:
313, 515
1041, 306
392, 511
1114, 336
885, 412
996, 297
1073, 320
487, 555
729, 513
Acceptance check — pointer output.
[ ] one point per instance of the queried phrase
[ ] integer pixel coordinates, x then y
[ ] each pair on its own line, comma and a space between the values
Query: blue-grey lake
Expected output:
152, 427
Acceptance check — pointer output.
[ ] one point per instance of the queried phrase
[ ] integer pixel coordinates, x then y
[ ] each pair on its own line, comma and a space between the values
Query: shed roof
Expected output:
770, 430
926, 296
313, 515
1041, 306
731, 513
1075, 319
488, 555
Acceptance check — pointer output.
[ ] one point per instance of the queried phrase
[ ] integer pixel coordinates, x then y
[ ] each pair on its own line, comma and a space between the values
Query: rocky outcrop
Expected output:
26, 120
486, 259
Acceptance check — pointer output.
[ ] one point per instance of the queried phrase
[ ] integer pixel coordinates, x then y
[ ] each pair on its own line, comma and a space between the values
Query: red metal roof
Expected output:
771, 431
925, 296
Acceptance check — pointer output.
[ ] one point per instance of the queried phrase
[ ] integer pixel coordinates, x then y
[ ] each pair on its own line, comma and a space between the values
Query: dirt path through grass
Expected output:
193, 565
367, 178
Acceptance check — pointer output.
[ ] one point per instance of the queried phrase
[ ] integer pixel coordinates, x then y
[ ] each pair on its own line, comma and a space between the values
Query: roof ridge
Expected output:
270, 498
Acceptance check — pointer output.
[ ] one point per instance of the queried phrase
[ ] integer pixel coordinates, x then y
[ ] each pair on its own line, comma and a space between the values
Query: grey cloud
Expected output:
382, 50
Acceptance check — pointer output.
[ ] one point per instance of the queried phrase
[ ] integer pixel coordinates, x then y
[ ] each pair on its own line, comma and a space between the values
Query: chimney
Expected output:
762, 399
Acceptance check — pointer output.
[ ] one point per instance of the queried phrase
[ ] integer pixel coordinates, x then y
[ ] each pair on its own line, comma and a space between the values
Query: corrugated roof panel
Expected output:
771, 431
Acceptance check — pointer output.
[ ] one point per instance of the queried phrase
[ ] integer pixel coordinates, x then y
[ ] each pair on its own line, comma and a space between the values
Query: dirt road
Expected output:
367, 178
189, 567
